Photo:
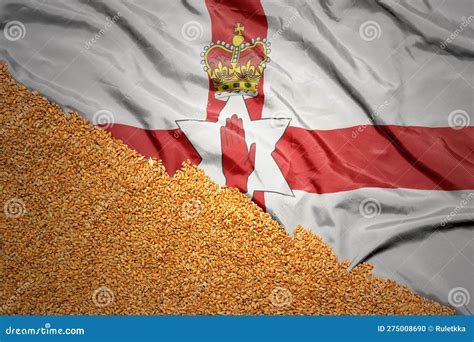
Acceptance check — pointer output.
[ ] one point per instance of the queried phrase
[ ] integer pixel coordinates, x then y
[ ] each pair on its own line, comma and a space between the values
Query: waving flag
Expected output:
353, 119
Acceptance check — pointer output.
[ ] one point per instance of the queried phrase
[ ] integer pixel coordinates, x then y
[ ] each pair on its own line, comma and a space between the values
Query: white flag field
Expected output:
353, 119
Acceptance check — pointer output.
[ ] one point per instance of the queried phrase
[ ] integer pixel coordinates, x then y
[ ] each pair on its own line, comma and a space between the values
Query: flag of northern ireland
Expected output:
353, 119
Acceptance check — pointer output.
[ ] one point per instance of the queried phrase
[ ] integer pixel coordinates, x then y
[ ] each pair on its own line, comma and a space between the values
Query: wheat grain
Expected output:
105, 231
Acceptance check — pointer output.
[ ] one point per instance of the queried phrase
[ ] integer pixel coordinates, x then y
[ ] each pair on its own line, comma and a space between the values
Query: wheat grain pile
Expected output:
91, 227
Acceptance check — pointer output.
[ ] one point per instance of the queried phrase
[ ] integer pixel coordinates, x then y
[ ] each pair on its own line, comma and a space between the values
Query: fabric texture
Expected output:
362, 125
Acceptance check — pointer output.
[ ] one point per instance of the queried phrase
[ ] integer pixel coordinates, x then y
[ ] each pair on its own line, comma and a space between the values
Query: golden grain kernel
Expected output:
91, 227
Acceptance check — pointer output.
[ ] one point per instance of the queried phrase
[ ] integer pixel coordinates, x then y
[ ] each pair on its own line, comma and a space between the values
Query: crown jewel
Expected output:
236, 69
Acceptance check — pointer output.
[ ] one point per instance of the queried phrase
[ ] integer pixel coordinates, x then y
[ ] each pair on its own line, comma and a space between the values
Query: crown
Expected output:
236, 69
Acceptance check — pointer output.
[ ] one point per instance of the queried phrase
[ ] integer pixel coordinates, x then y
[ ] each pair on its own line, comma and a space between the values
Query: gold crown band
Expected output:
231, 86
236, 77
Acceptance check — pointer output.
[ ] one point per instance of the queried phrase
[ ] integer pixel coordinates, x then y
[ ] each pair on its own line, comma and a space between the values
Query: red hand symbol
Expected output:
237, 161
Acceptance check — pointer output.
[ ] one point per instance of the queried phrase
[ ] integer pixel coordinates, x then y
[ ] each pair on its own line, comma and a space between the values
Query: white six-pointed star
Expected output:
265, 133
